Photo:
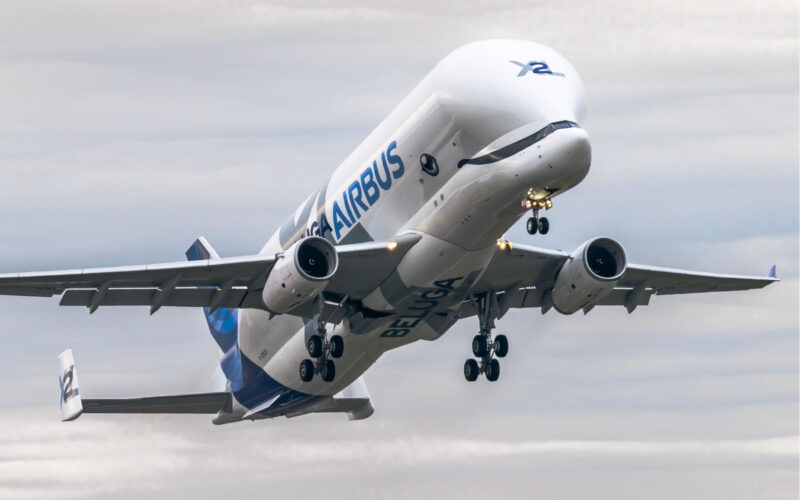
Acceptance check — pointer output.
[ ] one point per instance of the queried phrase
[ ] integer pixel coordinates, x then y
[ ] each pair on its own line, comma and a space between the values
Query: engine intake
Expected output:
300, 275
590, 274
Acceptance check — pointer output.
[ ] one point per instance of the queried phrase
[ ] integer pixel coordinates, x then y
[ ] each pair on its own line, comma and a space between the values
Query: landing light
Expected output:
503, 244
548, 203
392, 245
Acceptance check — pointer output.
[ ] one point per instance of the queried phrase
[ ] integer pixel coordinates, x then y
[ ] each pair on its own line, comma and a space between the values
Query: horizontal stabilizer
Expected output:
354, 400
211, 402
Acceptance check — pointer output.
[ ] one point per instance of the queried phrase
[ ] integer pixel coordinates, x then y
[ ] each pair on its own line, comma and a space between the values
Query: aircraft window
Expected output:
515, 147
564, 124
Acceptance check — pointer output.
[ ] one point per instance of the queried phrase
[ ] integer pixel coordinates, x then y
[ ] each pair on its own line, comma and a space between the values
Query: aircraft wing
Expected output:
216, 282
522, 275
673, 281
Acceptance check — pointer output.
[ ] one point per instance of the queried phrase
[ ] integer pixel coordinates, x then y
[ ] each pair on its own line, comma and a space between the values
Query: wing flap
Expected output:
523, 298
27, 291
181, 297
241, 271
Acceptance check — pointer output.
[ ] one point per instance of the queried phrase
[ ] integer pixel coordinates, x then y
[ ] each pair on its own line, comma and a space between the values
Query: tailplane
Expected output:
73, 406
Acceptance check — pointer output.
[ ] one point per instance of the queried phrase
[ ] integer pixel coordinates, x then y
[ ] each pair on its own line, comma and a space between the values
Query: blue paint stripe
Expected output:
249, 383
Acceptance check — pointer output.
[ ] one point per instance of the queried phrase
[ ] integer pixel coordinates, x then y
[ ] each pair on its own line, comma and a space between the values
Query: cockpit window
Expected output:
516, 147
564, 124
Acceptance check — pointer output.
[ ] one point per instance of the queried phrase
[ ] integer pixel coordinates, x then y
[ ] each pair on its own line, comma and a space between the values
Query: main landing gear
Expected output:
536, 224
483, 346
321, 349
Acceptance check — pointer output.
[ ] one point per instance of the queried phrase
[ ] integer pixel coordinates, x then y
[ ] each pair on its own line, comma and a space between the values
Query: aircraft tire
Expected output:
314, 346
306, 370
479, 346
328, 371
471, 370
337, 346
532, 226
493, 370
501, 346
544, 225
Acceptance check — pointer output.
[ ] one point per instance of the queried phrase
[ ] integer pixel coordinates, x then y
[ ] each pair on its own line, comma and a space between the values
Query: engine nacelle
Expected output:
300, 275
590, 274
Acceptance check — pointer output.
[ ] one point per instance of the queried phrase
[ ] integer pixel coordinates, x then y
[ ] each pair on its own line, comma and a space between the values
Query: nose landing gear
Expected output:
484, 346
536, 224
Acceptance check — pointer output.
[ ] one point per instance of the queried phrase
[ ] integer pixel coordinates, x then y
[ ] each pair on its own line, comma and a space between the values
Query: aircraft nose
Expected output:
574, 152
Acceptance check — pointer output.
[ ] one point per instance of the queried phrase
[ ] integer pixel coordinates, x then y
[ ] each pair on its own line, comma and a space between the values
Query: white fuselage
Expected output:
480, 99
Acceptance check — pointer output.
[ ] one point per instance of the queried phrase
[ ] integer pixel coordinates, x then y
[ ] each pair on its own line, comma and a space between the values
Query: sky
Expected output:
129, 128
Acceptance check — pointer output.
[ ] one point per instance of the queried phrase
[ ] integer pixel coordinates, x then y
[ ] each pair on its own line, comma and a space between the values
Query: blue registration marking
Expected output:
426, 303
535, 68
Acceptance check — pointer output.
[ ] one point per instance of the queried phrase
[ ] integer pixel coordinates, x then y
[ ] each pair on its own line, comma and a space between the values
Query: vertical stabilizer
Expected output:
201, 250
70, 399
223, 323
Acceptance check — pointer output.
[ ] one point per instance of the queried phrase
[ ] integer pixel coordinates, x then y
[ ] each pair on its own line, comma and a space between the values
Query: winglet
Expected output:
70, 398
773, 272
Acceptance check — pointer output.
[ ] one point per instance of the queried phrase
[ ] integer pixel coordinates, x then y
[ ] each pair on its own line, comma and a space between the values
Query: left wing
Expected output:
522, 275
216, 282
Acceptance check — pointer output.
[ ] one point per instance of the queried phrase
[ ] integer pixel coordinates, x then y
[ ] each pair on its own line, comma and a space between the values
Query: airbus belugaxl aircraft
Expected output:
403, 240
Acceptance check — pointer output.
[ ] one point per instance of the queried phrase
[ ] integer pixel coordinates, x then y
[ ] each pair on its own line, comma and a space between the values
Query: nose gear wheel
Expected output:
538, 224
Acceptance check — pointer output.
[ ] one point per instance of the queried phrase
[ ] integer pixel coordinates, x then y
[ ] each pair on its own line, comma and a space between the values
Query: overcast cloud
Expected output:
129, 128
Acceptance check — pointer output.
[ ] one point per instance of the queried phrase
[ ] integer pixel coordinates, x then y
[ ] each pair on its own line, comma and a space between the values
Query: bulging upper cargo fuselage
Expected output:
480, 98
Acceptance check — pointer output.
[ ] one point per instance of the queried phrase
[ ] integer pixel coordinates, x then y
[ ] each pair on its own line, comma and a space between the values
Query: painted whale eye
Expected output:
429, 164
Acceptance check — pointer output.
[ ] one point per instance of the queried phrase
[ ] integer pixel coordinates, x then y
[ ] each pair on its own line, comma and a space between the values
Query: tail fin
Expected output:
200, 250
70, 399
223, 323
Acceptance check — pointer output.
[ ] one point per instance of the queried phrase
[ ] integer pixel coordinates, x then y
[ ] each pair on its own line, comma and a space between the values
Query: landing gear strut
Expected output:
536, 224
321, 349
484, 346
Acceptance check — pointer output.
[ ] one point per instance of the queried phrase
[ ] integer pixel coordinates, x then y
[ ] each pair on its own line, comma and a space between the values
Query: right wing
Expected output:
522, 275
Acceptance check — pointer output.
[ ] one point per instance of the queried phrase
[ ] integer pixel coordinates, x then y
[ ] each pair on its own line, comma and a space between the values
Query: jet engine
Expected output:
590, 274
300, 274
